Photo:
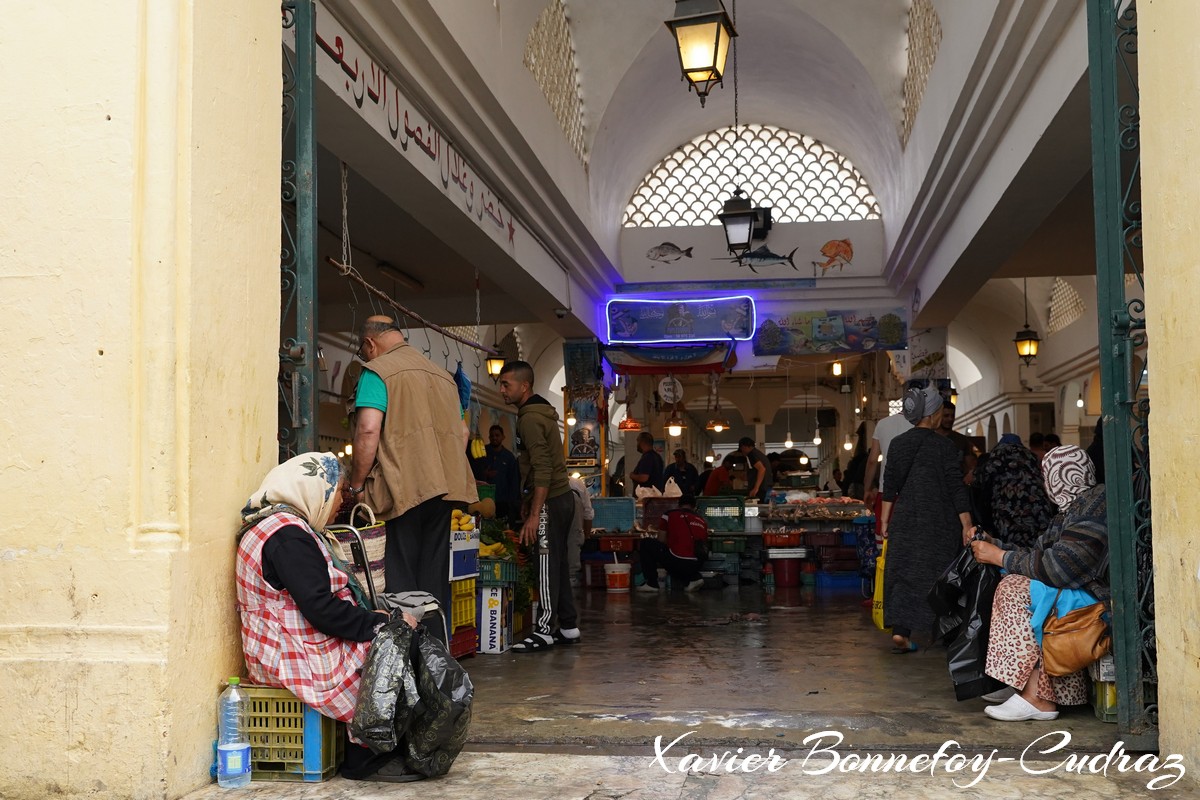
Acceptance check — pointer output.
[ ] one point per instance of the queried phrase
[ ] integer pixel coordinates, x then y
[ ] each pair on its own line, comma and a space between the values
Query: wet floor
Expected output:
725, 670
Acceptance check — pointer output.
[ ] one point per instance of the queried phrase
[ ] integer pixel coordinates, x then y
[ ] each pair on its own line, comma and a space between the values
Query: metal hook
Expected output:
428, 349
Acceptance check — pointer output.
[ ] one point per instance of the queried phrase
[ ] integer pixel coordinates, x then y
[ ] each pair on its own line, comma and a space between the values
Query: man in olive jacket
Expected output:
550, 508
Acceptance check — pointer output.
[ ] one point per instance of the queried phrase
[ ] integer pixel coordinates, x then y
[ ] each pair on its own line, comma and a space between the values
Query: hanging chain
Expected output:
737, 130
346, 259
478, 327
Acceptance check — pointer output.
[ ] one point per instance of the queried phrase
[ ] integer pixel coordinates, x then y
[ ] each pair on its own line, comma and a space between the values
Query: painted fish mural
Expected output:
838, 253
667, 252
763, 257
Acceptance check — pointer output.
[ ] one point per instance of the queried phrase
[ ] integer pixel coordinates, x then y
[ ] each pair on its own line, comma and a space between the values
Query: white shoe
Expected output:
694, 586
1017, 708
999, 696
648, 589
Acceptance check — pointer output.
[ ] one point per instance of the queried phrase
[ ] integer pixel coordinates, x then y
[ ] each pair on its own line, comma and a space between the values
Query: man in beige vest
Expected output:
410, 463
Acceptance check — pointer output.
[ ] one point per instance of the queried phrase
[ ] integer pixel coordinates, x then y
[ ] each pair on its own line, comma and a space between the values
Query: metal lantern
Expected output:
494, 365
703, 32
1027, 342
738, 218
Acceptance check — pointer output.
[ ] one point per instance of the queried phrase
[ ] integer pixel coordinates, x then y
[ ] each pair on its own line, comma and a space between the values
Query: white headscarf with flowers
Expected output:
306, 484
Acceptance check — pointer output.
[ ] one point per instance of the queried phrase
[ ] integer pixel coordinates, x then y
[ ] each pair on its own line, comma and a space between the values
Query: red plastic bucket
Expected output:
787, 571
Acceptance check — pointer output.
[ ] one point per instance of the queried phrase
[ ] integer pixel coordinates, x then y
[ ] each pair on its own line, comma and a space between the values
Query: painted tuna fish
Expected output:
762, 257
838, 253
666, 253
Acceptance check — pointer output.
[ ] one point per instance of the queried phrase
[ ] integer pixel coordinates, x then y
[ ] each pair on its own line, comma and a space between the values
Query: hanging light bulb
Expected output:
803, 459
857, 410
847, 445
788, 441
1079, 402
571, 420
349, 449
710, 458
837, 368
576, 475
817, 436
864, 399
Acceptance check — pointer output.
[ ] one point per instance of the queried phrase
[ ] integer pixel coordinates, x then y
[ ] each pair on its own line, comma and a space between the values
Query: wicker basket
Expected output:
374, 536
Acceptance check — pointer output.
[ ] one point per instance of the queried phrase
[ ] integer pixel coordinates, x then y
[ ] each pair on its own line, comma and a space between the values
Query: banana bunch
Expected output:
460, 521
496, 550
478, 448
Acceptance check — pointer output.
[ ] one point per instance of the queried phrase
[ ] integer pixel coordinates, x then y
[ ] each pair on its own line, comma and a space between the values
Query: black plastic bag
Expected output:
438, 729
388, 692
962, 603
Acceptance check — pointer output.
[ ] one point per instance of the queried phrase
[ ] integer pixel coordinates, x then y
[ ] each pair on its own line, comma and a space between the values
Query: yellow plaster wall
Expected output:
138, 286
1169, 64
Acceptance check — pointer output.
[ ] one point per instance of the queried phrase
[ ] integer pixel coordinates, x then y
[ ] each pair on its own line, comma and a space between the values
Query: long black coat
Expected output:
925, 482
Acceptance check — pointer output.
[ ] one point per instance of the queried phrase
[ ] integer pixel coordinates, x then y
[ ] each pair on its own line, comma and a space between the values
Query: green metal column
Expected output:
298, 257
1112, 41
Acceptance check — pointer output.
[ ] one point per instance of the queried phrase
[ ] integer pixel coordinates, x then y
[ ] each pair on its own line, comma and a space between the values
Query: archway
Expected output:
992, 438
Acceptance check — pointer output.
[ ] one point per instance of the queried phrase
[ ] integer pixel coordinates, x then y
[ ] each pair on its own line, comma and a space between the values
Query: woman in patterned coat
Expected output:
1071, 556
303, 627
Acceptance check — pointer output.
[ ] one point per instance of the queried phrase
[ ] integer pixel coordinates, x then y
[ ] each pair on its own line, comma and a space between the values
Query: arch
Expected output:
1006, 427
804, 180
992, 437
1072, 413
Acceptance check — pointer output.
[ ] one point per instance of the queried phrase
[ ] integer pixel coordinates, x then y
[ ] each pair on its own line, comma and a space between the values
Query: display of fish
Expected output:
667, 252
762, 257
838, 253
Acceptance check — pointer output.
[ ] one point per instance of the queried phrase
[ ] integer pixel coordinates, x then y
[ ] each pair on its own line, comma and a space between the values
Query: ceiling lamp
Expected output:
717, 424
803, 459
711, 457
837, 368
847, 445
675, 426
817, 436
1026, 340
702, 32
743, 223
571, 420
788, 443
629, 424
495, 363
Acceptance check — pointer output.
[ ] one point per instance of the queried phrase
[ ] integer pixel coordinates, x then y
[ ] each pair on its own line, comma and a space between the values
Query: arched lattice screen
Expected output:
1066, 306
801, 179
550, 58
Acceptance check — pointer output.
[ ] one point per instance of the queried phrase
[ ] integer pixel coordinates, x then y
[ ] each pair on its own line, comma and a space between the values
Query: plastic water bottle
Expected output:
233, 744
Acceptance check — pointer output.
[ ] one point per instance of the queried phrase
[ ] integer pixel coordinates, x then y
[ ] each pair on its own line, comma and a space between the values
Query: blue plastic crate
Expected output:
614, 513
838, 580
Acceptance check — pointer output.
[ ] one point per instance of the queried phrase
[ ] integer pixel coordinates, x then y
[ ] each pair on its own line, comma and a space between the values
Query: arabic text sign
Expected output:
658, 321
814, 331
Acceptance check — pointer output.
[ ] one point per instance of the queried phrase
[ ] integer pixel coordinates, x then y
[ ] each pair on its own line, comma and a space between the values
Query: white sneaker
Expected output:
999, 696
648, 589
694, 586
1017, 708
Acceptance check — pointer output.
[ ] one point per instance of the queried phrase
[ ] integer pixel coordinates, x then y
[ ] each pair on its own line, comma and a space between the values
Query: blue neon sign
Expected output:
643, 321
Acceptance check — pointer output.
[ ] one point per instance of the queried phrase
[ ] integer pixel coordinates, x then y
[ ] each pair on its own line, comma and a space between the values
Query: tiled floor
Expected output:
727, 670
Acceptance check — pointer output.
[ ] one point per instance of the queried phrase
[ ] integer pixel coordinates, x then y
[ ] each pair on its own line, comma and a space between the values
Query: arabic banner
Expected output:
676, 360
661, 321
812, 331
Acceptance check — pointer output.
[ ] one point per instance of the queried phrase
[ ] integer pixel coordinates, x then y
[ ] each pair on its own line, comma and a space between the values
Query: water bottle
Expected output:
233, 744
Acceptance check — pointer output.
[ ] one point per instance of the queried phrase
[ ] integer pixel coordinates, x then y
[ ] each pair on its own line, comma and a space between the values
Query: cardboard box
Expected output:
1104, 670
494, 619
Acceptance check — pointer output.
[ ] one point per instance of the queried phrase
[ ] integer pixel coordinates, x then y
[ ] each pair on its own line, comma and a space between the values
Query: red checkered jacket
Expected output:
282, 648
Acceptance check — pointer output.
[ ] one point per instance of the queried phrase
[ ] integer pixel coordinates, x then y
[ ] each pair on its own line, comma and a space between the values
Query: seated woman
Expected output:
1071, 555
303, 628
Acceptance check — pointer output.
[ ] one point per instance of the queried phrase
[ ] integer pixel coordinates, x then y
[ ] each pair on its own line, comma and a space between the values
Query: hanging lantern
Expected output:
629, 424
702, 32
1026, 340
717, 424
837, 368
675, 426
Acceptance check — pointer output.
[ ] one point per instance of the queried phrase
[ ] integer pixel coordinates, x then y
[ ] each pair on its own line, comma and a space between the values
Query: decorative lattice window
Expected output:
801, 179
550, 58
895, 406
924, 38
1066, 306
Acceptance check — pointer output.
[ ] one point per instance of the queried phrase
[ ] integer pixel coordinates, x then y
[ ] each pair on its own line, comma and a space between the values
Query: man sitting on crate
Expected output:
677, 549
305, 628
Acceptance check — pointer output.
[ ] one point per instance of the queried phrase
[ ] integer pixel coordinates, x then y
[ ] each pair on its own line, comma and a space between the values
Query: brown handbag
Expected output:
1075, 640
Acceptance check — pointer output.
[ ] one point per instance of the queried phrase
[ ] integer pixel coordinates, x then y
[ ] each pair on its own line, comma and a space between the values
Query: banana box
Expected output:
464, 546
494, 618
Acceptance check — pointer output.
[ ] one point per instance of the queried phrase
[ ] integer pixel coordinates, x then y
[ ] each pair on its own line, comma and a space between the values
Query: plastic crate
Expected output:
462, 604
618, 544
654, 507
783, 539
486, 490
289, 741
723, 514
465, 639
731, 544
822, 539
496, 572
838, 580
614, 513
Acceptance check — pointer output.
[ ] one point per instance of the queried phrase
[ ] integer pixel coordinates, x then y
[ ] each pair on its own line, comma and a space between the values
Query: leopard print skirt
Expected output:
1013, 653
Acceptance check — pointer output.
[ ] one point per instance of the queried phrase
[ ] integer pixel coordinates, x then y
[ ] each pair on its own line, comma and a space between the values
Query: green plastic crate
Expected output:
290, 741
723, 514
727, 544
496, 572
